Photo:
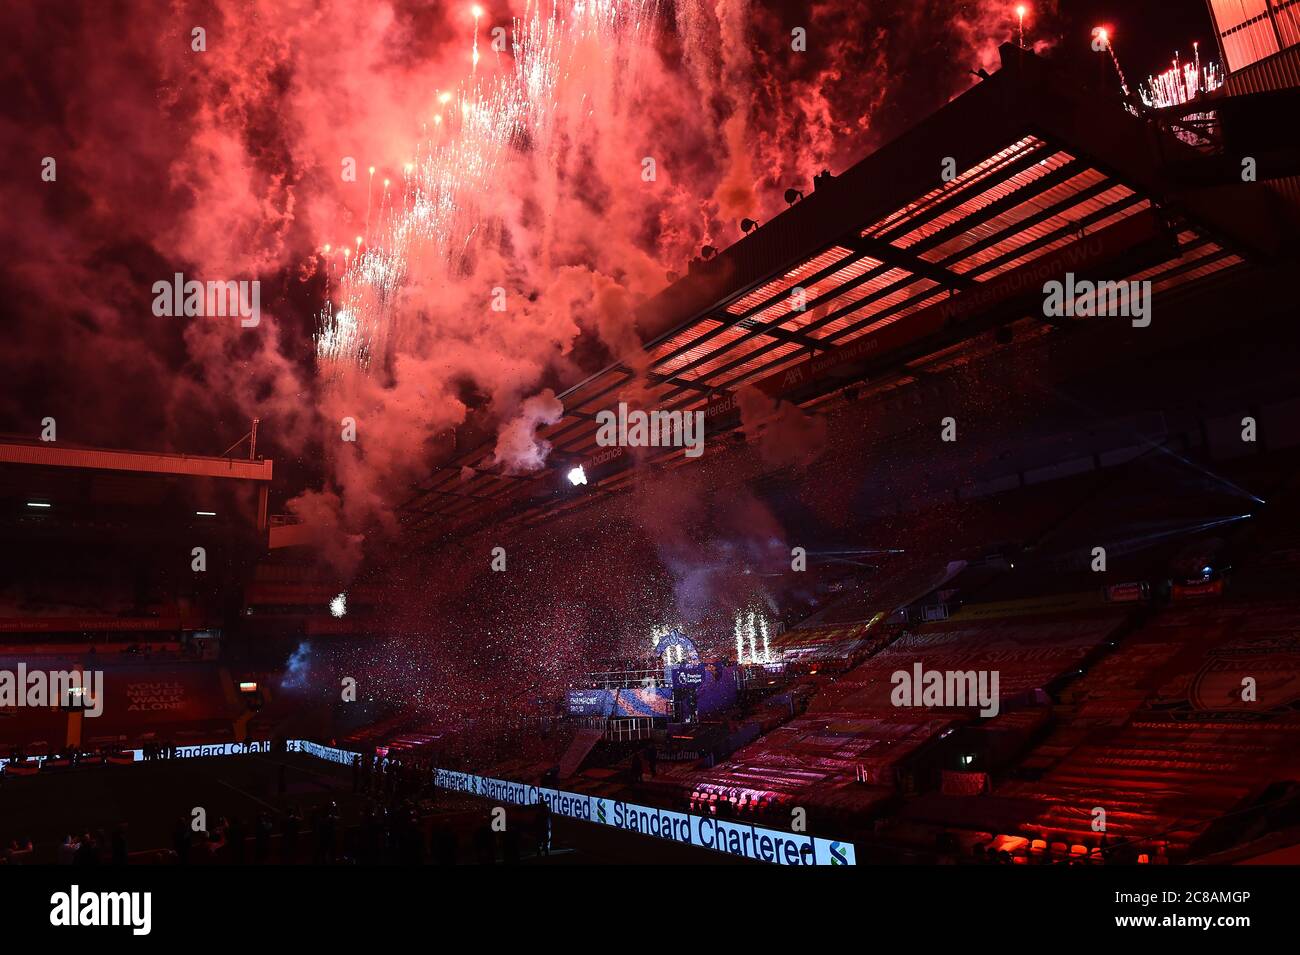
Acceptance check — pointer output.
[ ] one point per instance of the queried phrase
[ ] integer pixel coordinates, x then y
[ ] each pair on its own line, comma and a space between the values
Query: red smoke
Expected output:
225, 164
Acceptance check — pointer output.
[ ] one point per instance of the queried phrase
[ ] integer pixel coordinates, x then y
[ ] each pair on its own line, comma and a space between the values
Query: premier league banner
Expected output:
591, 702
735, 838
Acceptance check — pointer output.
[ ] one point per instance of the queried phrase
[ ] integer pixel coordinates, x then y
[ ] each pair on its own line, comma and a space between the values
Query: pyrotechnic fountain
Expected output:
1182, 82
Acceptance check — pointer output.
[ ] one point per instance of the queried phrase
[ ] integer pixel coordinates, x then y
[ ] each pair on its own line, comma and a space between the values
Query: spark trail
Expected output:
444, 198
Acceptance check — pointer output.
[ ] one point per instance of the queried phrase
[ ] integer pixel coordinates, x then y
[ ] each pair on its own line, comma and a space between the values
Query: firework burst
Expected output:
442, 203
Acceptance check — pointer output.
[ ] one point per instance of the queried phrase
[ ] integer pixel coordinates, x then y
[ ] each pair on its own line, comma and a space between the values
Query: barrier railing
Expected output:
631, 728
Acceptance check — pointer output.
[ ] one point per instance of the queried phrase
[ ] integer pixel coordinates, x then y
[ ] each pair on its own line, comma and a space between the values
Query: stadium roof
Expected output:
103, 459
896, 264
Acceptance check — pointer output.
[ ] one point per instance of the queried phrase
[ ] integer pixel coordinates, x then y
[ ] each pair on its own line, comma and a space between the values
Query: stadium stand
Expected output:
1187, 749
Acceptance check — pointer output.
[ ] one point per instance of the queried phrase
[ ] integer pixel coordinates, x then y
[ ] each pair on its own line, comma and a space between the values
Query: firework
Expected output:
1107, 40
1181, 83
439, 211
